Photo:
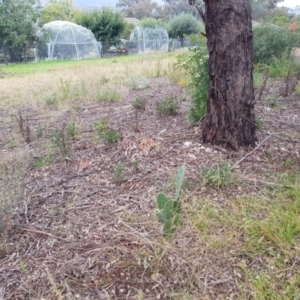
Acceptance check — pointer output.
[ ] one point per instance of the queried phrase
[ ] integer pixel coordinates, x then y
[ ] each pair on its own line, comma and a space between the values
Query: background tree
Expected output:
139, 8
152, 23
18, 27
128, 28
106, 24
183, 24
63, 10
230, 119
173, 8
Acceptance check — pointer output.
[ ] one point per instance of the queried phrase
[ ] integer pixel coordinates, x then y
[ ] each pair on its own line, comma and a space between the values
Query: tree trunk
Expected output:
230, 119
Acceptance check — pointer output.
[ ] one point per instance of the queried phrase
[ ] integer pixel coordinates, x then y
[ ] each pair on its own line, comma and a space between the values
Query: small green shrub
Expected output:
72, 130
107, 94
272, 102
168, 106
44, 161
195, 64
52, 100
272, 42
108, 135
169, 209
139, 104
259, 123
60, 141
118, 175
39, 131
217, 177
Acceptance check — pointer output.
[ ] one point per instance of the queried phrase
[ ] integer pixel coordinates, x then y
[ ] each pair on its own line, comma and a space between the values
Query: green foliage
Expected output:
281, 21
152, 23
168, 107
169, 209
298, 88
60, 141
217, 177
43, 161
128, 28
63, 10
107, 94
272, 102
118, 175
139, 8
16, 30
259, 123
271, 42
108, 135
52, 100
195, 64
280, 67
183, 24
106, 24
72, 130
139, 103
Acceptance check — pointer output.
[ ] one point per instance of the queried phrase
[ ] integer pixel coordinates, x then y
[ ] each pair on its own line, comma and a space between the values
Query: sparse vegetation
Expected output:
217, 177
139, 104
107, 134
228, 238
107, 94
118, 175
169, 106
13, 171
169, 209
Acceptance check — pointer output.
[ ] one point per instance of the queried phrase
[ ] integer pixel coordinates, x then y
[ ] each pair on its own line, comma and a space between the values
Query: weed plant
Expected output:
259, 123
66, 89
52, 101
60, 140
195, 64
118, 175
168, 107
170, 210
108, 135
139, 104
217, 177
272, 102
106, 94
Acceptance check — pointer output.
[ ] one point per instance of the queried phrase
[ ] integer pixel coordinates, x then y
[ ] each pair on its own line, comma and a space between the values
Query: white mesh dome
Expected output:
150, 39
65, 40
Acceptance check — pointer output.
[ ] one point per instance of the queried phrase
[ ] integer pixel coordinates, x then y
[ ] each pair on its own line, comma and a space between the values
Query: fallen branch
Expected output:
44, 233
248, 154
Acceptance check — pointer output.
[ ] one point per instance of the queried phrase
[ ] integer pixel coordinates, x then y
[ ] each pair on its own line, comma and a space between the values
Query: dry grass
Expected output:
13, 169
82, 81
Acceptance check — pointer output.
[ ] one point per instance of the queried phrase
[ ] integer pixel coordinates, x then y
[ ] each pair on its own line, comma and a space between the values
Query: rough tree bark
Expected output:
230, 119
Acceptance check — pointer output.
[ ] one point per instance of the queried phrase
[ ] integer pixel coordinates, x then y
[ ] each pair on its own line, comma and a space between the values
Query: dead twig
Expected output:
248, 154
44, 233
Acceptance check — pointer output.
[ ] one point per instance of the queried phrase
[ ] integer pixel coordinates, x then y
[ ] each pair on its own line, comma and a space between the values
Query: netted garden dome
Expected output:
150, 39
66, 40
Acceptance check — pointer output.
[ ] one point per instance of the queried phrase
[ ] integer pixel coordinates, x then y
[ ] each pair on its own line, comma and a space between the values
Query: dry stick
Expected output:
248, 154
44, 233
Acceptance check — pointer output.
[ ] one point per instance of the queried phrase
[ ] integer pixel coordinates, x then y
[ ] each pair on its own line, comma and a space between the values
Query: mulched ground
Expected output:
85, 234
